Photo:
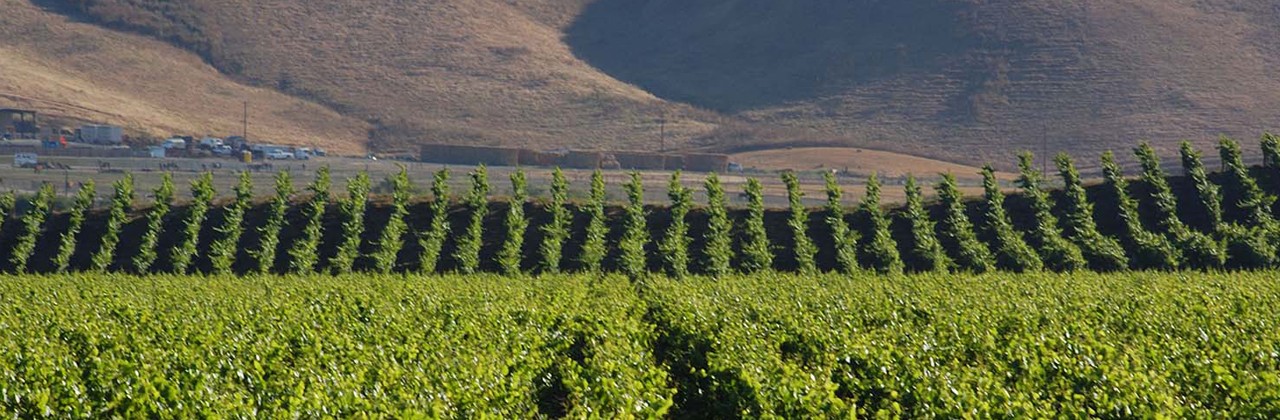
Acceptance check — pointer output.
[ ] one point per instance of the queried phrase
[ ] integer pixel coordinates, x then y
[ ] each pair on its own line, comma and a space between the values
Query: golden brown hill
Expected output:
968, 80
475, 71
78, 72
965, 80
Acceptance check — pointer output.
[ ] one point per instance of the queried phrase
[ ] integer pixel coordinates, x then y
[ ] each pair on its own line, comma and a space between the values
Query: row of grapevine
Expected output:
765, 345
1237, 229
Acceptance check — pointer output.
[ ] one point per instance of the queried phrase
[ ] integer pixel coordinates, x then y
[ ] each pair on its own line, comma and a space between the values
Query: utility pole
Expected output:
245, 128
662, 133
1044, 148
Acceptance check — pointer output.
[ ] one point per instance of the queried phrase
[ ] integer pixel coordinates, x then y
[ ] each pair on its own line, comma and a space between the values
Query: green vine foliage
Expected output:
1011, 251
593, 246
556, 231
1101, 252
1150, 251
844, 239
352, 209
675, 246
432, 241
1056, 252
1209, 195
1241, 191
468, 252
269, 236
718, 250
1197, 249
33, 222
806, 252
880, 251
391, 240
517, 224
926, 254
155, 225
75, 221
121, 205
956, 232
756, 255
305, 253
222, 252
202, 193
635, 234
1271, 150
1253, 237
7, 203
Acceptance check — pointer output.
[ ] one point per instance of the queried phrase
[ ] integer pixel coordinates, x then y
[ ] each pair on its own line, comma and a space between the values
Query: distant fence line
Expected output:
575, 159
10, 150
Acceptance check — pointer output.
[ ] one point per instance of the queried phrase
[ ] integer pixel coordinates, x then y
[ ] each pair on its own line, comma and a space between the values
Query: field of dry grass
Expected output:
858, 162
81, 72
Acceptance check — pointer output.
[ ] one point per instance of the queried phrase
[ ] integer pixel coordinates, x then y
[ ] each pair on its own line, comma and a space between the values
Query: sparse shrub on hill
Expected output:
926, 254
1011, 252
1197, 249
163, 200
956, 231
468, 252
517, 224
1252, 238
75, 220
269, 233
675, 245
222, 253
803, 247
844, 239
1056, 252
1149, 251
635, 232
33, 222
1101, 252
202, 194
352, 211
391, 239
717, 256
593, 245
880, 251
305, 253
556, 231
121, 205
432, 240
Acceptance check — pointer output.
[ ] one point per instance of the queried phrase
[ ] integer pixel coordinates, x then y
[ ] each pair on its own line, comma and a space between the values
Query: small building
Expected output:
19, 123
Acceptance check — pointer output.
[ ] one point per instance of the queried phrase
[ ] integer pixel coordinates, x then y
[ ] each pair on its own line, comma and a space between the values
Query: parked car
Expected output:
222, 150
174, 143
302, 154
278, 154
210, 143
320, 152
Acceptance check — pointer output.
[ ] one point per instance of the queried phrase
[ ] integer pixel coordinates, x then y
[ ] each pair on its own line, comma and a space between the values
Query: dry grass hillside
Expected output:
77, 72
968, 81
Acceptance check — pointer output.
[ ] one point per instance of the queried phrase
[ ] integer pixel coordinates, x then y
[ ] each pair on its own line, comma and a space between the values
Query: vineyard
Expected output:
1197, 221
773, 345
1151, 296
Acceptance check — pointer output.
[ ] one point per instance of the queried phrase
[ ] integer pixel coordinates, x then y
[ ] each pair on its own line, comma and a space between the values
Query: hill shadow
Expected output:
734, 55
